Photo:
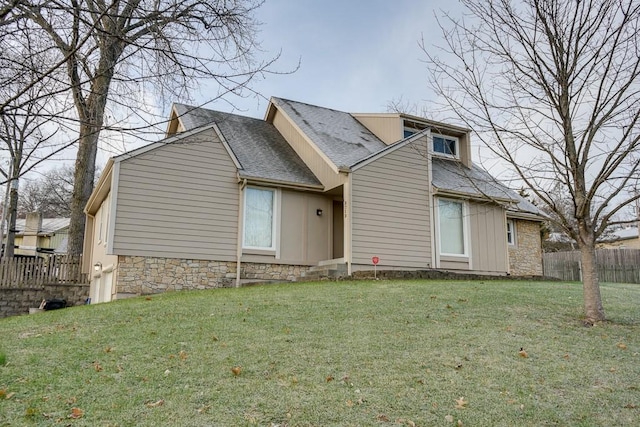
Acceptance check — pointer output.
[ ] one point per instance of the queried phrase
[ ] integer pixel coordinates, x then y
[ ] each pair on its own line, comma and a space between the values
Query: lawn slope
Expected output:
379, 353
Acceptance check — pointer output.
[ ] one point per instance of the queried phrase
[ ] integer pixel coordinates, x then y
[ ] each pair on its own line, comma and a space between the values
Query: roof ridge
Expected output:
313, 105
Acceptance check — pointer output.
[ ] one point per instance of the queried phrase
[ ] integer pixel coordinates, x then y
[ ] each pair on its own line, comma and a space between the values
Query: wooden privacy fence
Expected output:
19, 272
614, 265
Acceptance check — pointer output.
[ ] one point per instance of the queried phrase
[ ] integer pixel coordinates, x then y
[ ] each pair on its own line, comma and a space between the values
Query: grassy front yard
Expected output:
380, 353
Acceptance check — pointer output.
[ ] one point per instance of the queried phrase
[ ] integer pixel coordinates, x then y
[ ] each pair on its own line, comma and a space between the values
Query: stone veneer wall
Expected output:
147, 275
18, 300
525, 258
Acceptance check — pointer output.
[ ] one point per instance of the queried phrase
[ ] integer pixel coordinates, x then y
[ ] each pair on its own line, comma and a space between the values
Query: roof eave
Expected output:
98, 193
530, 216
280, 183
471, 196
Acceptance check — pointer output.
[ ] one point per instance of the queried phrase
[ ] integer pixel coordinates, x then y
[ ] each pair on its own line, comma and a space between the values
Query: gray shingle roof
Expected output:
449, 175
262, 152
342, 138
49, 225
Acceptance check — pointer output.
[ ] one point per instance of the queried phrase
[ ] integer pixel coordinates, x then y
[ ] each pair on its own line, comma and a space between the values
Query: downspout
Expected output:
347, 223
243, 184
431, 202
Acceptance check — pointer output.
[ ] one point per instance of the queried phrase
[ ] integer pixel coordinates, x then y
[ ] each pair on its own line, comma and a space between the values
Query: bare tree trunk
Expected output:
594, 312
13, 212
91, 111
83, 178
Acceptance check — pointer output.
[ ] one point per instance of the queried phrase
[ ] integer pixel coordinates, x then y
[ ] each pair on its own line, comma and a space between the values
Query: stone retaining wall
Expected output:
15, 301
147, 275
525, 257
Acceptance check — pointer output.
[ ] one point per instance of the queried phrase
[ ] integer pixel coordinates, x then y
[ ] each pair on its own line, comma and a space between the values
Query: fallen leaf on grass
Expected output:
155, 404
330, 378
97, 366
383, 418
236, 370
630, 406
461, 403
622, 346
523, 353
183, 355
76, 413
204, 409
449, 418
5, 395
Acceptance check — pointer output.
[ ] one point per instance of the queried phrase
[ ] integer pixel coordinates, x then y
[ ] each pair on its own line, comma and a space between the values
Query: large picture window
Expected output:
452, 229
259, 218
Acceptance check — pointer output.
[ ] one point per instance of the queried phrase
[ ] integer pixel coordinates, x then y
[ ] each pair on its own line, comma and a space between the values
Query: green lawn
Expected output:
385, 353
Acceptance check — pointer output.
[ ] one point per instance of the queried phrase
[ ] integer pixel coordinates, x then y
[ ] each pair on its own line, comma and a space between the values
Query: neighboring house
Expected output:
306, 186
624, 238
37, 236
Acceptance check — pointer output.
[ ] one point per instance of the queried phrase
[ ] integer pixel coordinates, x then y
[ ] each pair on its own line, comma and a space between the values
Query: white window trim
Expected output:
514, 238
465, 228
275, 241
438, 153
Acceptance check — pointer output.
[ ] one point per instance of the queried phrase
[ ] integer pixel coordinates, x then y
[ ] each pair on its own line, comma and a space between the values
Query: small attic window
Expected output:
411, 128
445, 145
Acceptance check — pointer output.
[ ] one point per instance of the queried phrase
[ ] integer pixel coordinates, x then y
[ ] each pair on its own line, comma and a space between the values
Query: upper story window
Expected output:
408, 132
411, 128
103, 220
445, 145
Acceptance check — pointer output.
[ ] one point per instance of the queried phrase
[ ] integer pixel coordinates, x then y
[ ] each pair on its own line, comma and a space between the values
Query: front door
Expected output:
338, 229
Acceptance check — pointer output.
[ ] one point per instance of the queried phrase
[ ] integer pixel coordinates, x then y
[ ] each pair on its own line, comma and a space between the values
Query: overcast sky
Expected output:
355, 55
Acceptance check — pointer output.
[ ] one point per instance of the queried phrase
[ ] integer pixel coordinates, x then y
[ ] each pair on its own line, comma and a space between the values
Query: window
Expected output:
409, 132
259, 219
103, 215
447, 145
452, 227
511, 232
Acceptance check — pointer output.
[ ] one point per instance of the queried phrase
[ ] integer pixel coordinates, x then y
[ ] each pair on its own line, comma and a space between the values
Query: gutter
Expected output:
467, 196
278, 183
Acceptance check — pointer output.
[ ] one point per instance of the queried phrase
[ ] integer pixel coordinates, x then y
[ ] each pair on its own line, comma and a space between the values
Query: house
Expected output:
306, 186
37, 236
624, 238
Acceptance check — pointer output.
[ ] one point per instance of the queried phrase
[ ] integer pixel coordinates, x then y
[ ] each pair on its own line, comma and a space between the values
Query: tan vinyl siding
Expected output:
488, 235
318, 165
390, 206
304, 235
387, 128
179, 201
454, 263
465, 149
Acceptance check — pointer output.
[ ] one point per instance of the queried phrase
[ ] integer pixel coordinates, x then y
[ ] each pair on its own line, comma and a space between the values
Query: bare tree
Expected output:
27, 136
552, 88
112, 49
50, 193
